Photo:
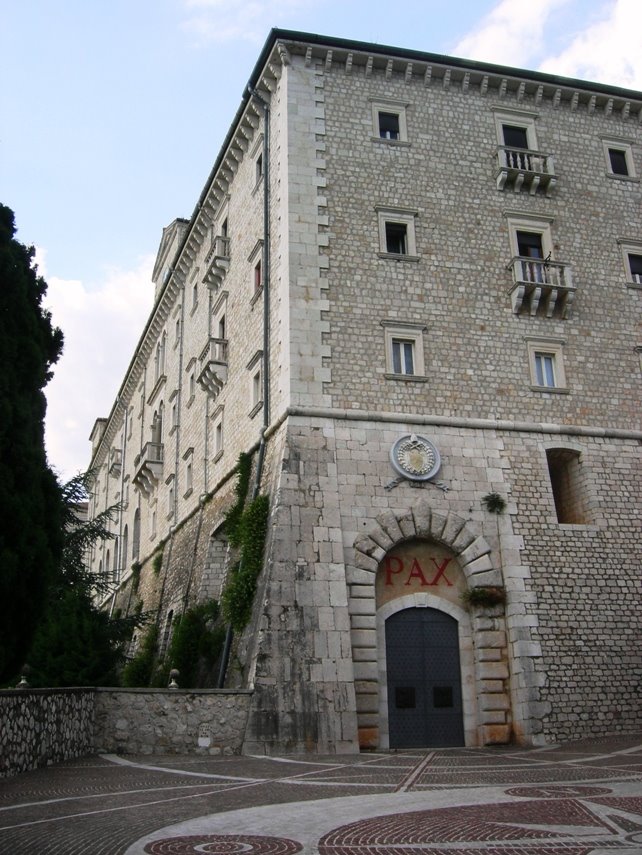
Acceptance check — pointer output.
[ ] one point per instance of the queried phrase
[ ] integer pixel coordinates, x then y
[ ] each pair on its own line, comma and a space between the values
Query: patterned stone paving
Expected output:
579, 799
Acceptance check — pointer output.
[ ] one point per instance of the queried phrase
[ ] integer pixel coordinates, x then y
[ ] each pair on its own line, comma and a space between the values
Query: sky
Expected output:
112, 113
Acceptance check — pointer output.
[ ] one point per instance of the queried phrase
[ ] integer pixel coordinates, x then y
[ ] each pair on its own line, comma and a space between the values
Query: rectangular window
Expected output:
619, 158
404, 350
515, 136
258, 278
403, 361
632, 259
545, 369
397, 233
397, 238
546, 364
635, 267
389, 121
259, 168
389, 126
192, 384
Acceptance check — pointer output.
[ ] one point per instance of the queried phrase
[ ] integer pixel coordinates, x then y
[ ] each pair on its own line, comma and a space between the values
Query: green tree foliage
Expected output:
77, 644
138, 671
30, 527
196, 644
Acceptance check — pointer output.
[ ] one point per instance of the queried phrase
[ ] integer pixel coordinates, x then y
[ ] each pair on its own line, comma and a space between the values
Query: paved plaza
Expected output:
582, 798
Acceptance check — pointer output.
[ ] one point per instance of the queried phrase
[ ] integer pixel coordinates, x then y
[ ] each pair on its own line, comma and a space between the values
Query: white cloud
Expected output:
227, 20
601, 40
513, 33
102, 326
608, 51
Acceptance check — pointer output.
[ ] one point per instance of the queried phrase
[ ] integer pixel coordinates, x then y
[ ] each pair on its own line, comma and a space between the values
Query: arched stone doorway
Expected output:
420, 559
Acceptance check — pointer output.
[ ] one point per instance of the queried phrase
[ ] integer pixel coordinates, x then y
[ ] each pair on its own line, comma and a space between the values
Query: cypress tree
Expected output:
30, 503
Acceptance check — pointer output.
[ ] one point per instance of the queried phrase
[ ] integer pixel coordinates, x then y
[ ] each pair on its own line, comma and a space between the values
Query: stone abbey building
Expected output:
411, 289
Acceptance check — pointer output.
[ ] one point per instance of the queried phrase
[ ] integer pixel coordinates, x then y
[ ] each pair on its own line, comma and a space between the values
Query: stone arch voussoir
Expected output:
421, 521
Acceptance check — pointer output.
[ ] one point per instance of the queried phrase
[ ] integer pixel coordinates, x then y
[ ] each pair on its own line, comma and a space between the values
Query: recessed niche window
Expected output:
619, 158
256, 266
217, 434
188, 458
569, 485
632, 258
389, 122
255, 369
404, 350
397, 233
259, 168
546, 365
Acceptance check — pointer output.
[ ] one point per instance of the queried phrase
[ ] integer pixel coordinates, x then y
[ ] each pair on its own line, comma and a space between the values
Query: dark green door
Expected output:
424, 680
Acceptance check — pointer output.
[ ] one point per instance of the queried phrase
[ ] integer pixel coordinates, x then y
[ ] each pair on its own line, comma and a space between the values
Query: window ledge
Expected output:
554, 390
391, 143
257, 186
396, 256
188, 493
255, 297
635, 286
256, 409
194, 308
631, 178
407, 378
173, 429
217, 456
190, 402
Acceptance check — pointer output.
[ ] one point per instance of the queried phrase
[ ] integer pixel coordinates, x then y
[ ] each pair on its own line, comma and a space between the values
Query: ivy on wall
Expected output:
249, 536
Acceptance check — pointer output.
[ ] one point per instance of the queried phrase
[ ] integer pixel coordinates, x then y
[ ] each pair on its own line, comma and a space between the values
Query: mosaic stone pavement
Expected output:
583, 798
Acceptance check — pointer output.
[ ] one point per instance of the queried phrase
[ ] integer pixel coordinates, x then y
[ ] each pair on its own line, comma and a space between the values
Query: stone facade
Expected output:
450, 251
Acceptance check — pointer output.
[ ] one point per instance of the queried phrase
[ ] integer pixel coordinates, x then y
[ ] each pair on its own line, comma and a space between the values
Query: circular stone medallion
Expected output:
415, 457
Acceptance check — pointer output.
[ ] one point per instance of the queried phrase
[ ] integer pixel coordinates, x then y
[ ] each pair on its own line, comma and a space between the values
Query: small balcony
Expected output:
115, 462
148, 467
544, 287
213, 366
217, 262
520, 167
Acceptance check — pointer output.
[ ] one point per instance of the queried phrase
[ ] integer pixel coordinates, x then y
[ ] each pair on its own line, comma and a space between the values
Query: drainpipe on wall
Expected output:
265, 261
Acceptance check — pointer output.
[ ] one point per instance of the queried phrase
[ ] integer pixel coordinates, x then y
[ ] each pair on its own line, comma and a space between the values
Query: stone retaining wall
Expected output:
157, 721
39, 727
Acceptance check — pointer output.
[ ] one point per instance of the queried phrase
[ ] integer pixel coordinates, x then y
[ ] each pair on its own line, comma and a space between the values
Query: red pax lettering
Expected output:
394, 566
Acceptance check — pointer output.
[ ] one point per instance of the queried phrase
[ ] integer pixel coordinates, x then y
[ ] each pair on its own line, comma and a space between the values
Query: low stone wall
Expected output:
158, 721
43, 726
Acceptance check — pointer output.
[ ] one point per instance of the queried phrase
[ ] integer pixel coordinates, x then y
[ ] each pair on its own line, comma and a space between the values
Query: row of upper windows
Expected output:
404, 349
516, 137
531, 245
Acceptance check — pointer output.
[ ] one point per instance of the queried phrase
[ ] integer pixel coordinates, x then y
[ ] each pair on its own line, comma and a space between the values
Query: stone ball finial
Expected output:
24, 673
173, 674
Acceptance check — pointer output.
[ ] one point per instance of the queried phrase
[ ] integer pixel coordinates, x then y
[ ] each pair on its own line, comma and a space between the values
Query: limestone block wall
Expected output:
44, 726
584, 583
156, 721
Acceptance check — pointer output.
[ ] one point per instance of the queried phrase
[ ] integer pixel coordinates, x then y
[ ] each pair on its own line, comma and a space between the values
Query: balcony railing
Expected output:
148, 467
213, 366
520, 167
217, 261
544, 286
